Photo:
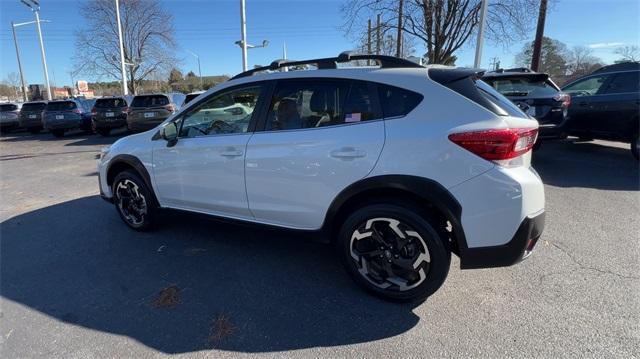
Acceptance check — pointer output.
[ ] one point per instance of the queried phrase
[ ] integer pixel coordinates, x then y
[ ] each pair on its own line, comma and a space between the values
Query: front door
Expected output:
320, 136
204, 170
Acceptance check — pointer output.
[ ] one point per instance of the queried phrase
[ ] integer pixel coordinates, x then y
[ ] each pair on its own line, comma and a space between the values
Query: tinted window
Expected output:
110, 102
359, 104
8, 107
396, 101
36, 106
499, 100
61, 106
229, 112
150, 101
309, 104
624, 82
586, 87
522, 86
190, 97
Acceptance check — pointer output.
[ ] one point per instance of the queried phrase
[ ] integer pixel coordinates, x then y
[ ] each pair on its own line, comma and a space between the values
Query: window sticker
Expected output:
352, 117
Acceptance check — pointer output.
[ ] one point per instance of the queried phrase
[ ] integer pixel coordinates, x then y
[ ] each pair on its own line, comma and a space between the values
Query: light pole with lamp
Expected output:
199, 70
34, 5
246, 46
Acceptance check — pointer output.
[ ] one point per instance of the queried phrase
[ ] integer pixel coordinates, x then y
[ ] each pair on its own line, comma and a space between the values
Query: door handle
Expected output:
348, 153
231, 152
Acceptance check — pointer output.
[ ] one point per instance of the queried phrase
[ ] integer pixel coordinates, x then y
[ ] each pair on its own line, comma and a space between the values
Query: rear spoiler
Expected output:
446, 76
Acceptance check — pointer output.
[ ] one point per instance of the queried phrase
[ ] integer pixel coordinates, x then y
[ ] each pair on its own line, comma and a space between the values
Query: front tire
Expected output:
393, 252
134, 201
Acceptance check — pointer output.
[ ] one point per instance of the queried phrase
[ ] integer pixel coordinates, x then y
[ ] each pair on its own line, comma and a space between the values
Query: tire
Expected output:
34, 130
377, 230
635, 147
104, 132
139, 214
57, 133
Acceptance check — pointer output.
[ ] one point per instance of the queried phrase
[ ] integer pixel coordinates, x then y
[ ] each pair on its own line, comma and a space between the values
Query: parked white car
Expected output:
399, 165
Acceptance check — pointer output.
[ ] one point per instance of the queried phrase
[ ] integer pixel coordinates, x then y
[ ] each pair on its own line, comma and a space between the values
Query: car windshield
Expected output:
150, 101
61, 106
36, 106
8, 107
522, 86
110, 102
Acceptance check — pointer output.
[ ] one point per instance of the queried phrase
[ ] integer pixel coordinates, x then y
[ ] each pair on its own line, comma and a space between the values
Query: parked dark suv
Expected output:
148, 111
606, 105
536, 95
31, 116
61, 116
109, 113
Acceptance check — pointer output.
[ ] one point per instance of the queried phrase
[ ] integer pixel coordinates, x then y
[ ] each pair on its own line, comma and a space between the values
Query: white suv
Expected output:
399, 165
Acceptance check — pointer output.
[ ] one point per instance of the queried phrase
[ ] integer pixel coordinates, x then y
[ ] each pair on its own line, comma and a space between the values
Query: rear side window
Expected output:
110, 102
396, 101
150, 101
8, 107
522, 86
61, 106
38, 106
624, 83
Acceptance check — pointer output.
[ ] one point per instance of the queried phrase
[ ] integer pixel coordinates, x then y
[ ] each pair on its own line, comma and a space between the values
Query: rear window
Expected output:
110, 102
37, 106
8, 107
61, 106
396, 101
498, 100
150, 101
522, 86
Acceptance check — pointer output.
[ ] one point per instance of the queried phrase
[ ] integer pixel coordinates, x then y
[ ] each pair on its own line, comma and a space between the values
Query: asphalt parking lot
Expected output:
76, 282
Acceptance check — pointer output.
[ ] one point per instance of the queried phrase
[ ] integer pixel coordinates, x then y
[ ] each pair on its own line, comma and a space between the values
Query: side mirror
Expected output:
169, 133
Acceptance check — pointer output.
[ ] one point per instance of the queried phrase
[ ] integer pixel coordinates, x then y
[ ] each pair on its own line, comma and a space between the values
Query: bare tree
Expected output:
13, 80
581, 61
628, 53
147, 31
444, 26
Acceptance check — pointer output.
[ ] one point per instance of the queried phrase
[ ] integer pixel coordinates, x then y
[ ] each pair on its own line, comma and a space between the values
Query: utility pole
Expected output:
399, 39
125, 89
537, 43
483, 15
378, 38
369, 37
284, 55
15, 41
243, 33
199, 70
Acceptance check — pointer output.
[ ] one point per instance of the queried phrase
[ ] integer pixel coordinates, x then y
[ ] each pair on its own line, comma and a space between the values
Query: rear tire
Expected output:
393, 252
57, 133
133, 200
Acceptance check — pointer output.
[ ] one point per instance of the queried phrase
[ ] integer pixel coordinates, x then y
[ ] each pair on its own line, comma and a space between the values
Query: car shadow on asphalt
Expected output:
235, 288
573, 163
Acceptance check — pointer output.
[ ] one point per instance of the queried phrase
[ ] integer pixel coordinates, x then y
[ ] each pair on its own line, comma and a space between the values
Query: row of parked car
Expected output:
136, 113
603, 105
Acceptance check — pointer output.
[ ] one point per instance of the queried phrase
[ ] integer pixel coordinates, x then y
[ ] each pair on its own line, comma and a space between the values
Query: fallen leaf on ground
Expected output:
221, 328
168, 297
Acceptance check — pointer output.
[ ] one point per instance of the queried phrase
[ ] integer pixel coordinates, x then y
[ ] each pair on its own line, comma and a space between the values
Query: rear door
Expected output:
621, 107
320, 136
587, 102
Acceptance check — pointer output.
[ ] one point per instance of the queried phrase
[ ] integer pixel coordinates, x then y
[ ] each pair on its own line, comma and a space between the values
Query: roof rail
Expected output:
331, 63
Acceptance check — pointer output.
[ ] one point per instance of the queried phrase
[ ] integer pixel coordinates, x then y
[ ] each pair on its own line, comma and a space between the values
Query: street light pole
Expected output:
483, 15
15, 41
125, 89
199, 69
243, 34
44, 57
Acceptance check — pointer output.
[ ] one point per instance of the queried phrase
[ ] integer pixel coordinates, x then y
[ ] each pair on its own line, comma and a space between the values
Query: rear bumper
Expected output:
143, 125
31, 122
512, 252
111, 123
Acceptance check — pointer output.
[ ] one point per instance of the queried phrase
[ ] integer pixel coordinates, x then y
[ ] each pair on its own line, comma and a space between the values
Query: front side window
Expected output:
586, 87
624, 83
225, 113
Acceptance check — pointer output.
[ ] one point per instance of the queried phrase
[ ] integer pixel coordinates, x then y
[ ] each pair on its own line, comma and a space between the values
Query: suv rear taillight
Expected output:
76, 110
565, 98
94, 111
499, 144
170, 108
125, 109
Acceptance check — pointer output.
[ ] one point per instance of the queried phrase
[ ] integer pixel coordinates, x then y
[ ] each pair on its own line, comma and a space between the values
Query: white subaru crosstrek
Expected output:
399, 165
